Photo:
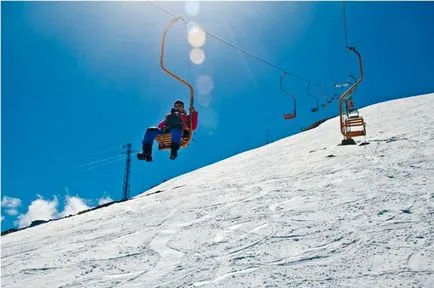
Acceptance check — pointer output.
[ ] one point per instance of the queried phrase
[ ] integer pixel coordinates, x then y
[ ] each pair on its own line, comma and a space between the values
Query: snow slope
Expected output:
300, 212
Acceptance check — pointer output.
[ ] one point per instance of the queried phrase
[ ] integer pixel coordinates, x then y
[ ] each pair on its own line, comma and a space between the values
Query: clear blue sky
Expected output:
79, 79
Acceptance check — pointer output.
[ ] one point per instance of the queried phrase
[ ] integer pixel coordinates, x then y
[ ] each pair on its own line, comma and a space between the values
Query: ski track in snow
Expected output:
300, 212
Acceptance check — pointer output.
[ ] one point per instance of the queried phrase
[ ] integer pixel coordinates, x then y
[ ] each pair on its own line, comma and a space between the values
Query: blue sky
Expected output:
79, 79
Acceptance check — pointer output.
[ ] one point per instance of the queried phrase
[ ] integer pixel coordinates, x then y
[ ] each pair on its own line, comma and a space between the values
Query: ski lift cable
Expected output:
98, 161
233, 45
121, 157
345, 31
344, 22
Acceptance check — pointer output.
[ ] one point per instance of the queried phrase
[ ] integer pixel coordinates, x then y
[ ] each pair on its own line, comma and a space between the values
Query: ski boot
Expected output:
146, 154
174, 147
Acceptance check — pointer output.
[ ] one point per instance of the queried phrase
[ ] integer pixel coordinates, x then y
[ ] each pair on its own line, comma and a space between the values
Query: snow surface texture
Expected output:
300, 212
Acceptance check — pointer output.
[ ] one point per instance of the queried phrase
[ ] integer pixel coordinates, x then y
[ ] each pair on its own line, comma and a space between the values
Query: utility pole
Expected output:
126, 186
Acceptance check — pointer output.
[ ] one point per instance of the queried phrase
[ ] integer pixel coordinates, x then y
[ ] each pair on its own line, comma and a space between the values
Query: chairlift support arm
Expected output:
165, 69
349, 90
282, 88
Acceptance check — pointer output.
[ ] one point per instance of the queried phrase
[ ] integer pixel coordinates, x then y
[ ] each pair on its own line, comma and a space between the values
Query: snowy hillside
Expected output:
300, 212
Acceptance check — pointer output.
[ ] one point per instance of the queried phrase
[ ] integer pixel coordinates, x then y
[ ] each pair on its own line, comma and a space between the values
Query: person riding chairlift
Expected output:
175, 123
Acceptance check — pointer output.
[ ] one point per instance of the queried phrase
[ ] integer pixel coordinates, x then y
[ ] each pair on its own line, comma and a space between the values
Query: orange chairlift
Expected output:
316, 108
353, 80
164, 140
323, 93
293, 114
351, 123
352, 110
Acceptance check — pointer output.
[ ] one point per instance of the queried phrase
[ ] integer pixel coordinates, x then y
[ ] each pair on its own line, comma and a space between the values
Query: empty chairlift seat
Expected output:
354, 126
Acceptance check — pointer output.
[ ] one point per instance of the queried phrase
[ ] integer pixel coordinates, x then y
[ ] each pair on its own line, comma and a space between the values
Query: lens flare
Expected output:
197, 56
204, 100
196, 36
192, 8
209, 119
204, 84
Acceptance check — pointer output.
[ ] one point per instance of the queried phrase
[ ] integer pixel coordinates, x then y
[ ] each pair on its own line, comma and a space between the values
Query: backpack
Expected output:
174, 120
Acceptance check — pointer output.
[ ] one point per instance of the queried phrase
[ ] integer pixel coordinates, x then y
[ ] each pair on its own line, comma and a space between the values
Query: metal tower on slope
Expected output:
126, 186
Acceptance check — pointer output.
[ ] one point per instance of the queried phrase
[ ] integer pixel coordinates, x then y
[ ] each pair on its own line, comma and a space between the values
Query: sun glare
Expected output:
192, 8
197, 56
196, 36
204, 100
204, 84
